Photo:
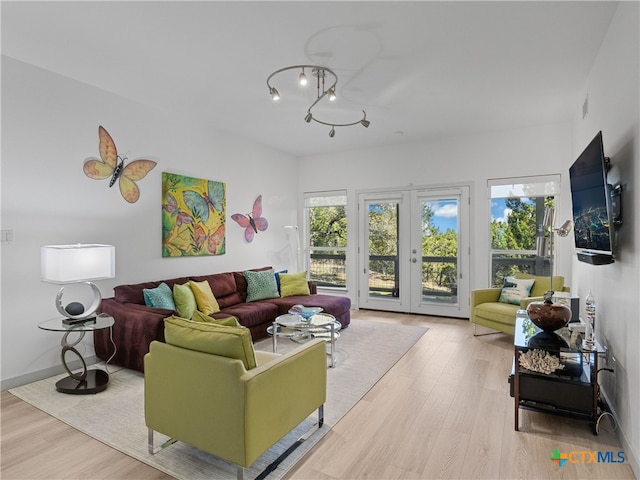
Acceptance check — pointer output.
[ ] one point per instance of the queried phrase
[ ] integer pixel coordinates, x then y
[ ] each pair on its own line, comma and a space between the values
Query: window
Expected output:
517, 212
326, 227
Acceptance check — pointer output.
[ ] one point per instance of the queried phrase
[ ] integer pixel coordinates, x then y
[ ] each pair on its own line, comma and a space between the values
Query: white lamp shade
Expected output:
77, 263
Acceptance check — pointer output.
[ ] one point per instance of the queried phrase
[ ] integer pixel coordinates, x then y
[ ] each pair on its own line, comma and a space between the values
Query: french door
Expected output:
414, 251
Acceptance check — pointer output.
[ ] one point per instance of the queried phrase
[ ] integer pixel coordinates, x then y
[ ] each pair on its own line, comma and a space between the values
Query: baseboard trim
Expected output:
42, 374
630, 455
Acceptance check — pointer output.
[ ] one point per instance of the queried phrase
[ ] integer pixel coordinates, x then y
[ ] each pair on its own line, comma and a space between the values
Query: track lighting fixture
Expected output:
326, 80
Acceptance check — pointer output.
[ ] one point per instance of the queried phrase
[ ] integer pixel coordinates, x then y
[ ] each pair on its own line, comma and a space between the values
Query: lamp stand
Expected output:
85, 316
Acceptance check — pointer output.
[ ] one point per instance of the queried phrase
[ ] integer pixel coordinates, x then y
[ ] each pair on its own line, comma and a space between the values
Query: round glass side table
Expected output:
88, 380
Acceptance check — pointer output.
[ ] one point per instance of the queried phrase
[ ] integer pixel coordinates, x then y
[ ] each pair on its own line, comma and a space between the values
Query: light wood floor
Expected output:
443, 411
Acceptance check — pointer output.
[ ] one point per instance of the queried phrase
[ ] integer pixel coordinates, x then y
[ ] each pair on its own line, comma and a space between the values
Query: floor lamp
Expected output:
297, 258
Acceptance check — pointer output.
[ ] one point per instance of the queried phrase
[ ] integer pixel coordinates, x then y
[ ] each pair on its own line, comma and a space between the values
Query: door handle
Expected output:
414, 259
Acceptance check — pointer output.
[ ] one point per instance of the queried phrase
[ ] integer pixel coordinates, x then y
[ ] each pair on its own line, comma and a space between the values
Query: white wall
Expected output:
49, 127
613, 90
470, 160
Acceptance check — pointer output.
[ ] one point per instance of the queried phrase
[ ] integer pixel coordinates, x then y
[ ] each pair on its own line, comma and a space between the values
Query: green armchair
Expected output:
486, 310
222, 403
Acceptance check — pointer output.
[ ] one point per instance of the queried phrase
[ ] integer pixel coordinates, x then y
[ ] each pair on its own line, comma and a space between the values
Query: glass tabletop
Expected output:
57, 325
528, 335
295, 321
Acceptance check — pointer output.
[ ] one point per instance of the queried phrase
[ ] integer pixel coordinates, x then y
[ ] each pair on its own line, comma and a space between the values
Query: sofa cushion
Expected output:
223, 286
331, 304
498, 312
161, 297
185, 300
515, 289
251, 314
205, 300
230, 342
261, 285
293, 284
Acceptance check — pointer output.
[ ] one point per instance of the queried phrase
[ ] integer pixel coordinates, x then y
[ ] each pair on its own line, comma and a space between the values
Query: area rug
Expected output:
364, 353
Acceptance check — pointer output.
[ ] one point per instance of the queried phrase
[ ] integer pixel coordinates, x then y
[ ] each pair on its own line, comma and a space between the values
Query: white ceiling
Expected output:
421, 70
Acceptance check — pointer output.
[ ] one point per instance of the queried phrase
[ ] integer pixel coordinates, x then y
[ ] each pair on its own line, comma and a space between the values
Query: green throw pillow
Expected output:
230, 342
228, 322
261, 285
515, 289
185, 300
160, 296
294, 284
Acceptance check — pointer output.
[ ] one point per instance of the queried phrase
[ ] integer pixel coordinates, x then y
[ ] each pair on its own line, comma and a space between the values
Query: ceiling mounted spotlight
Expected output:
326, 80
302, 78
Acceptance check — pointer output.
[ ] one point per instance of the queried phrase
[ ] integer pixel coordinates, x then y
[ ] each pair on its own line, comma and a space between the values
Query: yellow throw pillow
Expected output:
231, 342
294, 284
185, 300
205, 300
228, 322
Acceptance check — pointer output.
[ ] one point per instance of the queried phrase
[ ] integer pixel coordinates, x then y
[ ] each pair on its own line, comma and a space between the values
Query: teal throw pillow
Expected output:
515, 289
160, 297
261, 285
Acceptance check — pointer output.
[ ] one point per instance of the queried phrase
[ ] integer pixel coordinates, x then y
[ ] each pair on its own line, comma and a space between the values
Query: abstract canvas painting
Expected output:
193, 216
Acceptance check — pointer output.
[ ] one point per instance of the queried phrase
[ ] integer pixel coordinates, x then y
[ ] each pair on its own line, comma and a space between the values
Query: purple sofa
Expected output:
137, 325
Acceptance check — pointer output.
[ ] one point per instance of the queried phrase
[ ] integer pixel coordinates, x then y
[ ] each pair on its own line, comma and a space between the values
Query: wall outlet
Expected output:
613, 364
6, 237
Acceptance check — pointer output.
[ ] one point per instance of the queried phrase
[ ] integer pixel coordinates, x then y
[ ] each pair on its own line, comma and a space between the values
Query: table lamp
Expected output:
66, 264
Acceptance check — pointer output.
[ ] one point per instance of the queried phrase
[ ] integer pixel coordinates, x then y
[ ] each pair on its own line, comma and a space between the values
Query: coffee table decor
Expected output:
304, 312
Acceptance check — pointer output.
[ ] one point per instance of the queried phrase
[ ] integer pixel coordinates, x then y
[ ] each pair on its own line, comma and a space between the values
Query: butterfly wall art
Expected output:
252, 222
110, 164
193, 216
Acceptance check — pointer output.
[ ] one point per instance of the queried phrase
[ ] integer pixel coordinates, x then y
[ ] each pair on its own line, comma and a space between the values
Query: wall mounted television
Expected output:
594, 202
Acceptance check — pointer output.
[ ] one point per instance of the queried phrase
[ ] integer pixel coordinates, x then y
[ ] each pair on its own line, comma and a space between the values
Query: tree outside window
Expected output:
517, 212
327, 238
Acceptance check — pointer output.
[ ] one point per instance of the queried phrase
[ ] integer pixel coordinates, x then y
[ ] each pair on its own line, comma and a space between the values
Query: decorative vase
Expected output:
547, 315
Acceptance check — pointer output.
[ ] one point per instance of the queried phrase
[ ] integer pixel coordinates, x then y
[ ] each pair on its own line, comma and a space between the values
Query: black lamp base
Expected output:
76, 321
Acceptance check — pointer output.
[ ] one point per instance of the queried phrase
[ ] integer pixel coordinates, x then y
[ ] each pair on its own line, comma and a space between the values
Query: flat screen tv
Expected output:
590, 194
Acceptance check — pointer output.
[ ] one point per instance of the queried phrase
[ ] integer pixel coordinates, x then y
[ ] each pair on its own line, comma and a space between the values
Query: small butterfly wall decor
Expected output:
110, 164
252, 222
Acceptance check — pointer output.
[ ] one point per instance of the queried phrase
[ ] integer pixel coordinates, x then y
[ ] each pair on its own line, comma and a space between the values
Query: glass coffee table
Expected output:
320, 325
